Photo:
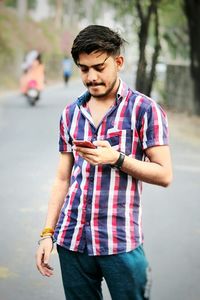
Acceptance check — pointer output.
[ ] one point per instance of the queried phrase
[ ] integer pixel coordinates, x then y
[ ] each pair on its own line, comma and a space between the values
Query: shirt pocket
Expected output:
113, 137
120, 140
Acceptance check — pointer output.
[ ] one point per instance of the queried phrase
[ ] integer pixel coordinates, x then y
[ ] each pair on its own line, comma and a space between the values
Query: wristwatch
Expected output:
118, 164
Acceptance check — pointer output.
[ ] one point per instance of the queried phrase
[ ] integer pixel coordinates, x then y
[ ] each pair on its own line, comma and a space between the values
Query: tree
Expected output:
145, 79
192, 12
173, 29
147, 24
22, 8
30, 4
58, 13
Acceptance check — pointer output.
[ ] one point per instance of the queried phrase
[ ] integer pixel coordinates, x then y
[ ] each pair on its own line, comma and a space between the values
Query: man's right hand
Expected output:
43, 255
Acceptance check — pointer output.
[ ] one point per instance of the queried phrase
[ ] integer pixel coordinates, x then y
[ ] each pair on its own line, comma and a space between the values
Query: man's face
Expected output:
99, 73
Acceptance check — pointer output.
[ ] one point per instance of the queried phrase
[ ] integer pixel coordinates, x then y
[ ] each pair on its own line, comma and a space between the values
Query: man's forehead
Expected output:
96, 56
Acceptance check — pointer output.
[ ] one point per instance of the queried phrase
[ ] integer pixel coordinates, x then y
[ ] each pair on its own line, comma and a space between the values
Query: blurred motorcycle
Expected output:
32, 79
33, 93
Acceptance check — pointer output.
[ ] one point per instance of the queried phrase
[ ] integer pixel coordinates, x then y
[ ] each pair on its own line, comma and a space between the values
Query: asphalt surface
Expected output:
29, 153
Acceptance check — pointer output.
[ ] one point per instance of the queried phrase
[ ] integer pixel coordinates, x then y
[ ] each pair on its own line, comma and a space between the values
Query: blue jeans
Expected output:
126, 275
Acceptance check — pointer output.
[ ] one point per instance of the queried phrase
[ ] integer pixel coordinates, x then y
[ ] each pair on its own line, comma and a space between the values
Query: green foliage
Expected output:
8, 23
173, 26
13, 3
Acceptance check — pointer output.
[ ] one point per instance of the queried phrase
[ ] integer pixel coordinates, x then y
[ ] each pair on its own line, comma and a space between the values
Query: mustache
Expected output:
94, 84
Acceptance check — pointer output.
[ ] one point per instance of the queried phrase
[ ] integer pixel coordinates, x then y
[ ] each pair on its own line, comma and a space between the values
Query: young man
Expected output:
94, 213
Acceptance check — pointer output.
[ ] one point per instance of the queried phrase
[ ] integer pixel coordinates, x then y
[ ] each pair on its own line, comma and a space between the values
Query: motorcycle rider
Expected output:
33, 70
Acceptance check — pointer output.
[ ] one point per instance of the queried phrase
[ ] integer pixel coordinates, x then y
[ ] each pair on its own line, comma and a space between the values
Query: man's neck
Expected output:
98, 108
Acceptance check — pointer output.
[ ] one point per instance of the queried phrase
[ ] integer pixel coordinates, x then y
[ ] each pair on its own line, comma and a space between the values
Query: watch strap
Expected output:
120, 161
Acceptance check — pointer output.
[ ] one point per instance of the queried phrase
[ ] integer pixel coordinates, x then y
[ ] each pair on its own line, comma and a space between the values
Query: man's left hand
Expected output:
103, 154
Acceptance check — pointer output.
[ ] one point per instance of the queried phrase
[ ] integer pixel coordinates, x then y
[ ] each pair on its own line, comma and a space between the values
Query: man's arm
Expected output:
157, 170
59, 191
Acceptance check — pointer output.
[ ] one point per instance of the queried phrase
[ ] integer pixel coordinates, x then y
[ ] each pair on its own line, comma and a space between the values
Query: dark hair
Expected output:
96, 38
39, 58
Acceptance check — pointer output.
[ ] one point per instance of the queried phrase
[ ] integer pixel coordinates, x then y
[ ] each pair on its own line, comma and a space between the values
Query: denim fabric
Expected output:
126, 275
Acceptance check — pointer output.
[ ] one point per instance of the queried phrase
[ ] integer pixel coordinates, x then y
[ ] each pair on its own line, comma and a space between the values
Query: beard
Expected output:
105, 93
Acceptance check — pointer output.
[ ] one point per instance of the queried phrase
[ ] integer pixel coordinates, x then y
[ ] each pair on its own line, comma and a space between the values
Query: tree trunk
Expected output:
192, 12
59, 13
22, 8
155, 56
142, 63
144, 81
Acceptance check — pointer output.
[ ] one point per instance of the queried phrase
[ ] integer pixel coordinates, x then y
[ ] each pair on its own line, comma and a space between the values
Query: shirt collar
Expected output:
121, 93
83, 98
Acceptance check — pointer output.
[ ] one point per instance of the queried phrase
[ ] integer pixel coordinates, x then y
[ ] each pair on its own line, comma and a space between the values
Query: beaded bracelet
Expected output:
46, 231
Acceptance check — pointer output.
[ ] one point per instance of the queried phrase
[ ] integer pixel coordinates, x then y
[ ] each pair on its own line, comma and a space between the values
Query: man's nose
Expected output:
92, 75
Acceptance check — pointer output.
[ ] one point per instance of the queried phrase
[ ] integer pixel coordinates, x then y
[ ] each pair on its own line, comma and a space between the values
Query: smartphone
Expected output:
85, 144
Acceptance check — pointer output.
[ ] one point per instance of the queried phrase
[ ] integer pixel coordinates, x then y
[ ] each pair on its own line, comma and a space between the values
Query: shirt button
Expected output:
91, 179
87, 223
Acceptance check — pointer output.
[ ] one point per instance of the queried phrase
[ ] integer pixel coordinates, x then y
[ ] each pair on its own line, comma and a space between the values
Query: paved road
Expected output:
28, 137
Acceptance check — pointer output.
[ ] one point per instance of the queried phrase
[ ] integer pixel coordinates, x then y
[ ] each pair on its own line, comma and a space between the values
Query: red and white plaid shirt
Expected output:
102, 210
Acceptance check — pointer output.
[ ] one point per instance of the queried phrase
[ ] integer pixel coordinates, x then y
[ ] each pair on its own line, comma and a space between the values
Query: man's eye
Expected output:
84, 70
99, 68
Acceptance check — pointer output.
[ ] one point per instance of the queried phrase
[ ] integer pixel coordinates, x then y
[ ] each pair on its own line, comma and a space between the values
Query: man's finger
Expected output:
48, 267
46, 258
102, 143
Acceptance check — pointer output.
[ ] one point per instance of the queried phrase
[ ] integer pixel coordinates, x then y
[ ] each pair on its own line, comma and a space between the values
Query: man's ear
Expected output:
119, 61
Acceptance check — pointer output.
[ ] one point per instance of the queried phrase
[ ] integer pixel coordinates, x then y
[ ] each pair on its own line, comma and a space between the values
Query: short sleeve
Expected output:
154, 130
65, 141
